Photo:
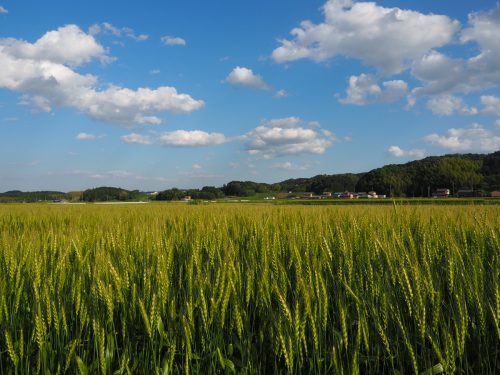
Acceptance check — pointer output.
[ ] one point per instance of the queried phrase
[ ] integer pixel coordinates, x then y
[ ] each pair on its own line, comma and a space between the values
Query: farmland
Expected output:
231, 288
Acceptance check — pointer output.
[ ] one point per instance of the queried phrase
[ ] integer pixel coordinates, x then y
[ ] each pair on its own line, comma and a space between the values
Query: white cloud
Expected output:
136, 138
281, 93
193, 138
475, 138
246, 77
442, 74
400, 153
85, 136
3, 10
497, 124
108, 174
286, 136
386, 38
196, 166
178, 138
484, 28
491, 105
124, 106
109, 29
289, 166
155, 71
364, 89
43, 73
67, 45
284, 122
447, 105
173, 41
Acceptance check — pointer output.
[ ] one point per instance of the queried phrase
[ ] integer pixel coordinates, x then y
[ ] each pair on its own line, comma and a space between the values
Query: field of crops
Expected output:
170, 288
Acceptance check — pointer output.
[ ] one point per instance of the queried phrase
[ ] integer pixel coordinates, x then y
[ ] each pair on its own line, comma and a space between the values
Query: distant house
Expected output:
467, 193
347, 195
186, 198
441, 193
370, 194
495, 194
327, 194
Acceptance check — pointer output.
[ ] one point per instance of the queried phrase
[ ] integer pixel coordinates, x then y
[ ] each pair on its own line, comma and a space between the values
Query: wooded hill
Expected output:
416, 178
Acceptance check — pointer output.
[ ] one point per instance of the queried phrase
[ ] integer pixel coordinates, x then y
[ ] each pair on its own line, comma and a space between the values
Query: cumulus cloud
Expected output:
284, 122
474, 138
442, 74
43, 72
173, 41
447, 105
67, 45
109, 29
85, 136
497, 124
125, 106
288, 136
191, 138
364, 89
246, 77
484, 28
3, 10
386, 38
400, 153
491, 105
136, 138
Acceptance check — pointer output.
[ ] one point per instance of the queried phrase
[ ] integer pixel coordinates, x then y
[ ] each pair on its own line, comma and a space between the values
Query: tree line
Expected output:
413, 179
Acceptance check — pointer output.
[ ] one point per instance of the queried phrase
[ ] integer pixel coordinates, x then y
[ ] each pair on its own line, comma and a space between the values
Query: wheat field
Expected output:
252, 289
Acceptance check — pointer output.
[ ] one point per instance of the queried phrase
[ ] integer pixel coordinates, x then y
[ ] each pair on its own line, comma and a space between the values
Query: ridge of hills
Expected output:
415, 178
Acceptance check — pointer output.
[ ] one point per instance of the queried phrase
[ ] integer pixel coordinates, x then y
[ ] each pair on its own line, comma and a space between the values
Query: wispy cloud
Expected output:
289, 166
85, 136
109, 29
173, 41
281, 93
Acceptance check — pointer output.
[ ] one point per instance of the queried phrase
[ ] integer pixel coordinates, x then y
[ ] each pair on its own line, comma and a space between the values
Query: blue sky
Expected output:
197, 93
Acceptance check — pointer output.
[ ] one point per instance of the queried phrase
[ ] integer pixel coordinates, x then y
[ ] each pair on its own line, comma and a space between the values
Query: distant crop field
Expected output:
235, 288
